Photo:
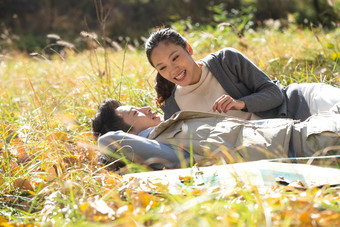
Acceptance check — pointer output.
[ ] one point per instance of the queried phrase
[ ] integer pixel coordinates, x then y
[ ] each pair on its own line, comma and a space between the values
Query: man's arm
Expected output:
138, 149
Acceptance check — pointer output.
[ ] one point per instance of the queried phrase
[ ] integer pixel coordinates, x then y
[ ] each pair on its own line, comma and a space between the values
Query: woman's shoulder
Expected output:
228, 50
222, 53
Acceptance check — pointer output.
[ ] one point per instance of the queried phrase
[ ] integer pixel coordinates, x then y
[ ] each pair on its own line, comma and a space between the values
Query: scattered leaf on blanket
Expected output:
282, 180
290, 184
146, 199
186, 179
297, 184
197, 191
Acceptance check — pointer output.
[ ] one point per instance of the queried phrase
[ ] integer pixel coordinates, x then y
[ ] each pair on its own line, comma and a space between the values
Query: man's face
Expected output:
139, 118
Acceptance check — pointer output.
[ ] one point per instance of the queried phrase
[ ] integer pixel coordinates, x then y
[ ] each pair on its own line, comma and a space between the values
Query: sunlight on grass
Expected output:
48, 163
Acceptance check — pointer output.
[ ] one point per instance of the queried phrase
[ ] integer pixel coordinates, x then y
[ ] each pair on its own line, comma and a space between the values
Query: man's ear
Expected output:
190, 50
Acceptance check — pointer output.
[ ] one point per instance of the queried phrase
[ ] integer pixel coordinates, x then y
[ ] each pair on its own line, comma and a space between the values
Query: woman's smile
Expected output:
181, 76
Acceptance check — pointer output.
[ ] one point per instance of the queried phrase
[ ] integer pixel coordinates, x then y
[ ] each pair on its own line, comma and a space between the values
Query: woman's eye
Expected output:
175, 58
162, 68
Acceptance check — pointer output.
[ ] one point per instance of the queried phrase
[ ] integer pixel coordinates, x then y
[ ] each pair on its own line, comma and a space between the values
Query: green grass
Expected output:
45, 136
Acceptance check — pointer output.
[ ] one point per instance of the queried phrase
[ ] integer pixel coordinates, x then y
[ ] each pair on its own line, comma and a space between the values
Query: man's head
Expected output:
112, 116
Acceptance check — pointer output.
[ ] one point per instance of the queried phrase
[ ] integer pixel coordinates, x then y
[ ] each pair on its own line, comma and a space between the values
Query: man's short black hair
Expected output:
107, 119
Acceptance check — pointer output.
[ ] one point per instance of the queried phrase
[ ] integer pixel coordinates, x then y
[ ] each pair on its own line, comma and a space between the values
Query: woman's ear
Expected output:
190, 50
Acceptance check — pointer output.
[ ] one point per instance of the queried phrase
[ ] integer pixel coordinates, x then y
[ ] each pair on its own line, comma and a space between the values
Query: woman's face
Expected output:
139, 118
175, 64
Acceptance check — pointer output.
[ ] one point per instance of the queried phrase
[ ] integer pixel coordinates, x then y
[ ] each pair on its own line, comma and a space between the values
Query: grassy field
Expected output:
48, 163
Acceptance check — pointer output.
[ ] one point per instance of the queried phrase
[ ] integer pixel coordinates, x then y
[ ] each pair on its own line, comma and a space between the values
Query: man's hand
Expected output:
226, 103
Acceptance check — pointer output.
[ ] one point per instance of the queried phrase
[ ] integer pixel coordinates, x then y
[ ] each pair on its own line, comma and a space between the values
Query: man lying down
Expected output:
138, 135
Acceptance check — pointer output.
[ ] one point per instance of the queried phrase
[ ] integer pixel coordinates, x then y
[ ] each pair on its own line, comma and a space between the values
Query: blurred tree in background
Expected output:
25, 23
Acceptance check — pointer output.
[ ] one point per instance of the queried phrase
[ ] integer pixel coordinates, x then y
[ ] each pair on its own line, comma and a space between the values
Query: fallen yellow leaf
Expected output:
186, 179
305, 218
2, 181
52, 173
23, 184
4, 222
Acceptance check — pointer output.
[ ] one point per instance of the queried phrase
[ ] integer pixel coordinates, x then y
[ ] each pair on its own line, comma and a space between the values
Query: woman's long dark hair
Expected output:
163, 87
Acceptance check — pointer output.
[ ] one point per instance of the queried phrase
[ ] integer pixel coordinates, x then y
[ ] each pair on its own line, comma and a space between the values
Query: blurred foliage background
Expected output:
25, 24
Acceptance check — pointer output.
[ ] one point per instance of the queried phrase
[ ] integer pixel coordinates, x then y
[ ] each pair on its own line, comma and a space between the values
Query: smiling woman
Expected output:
227, 82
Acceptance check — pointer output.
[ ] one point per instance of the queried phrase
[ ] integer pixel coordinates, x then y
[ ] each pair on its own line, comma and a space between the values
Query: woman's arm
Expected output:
265, 93
115, 145
245, 81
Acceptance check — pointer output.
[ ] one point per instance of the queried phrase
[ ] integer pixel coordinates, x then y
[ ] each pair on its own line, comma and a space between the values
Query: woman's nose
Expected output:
173, 69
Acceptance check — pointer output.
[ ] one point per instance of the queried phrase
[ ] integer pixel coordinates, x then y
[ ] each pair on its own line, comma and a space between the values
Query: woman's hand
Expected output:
226, 103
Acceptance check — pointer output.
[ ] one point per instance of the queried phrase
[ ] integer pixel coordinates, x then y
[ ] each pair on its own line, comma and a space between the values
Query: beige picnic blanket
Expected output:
227, 177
